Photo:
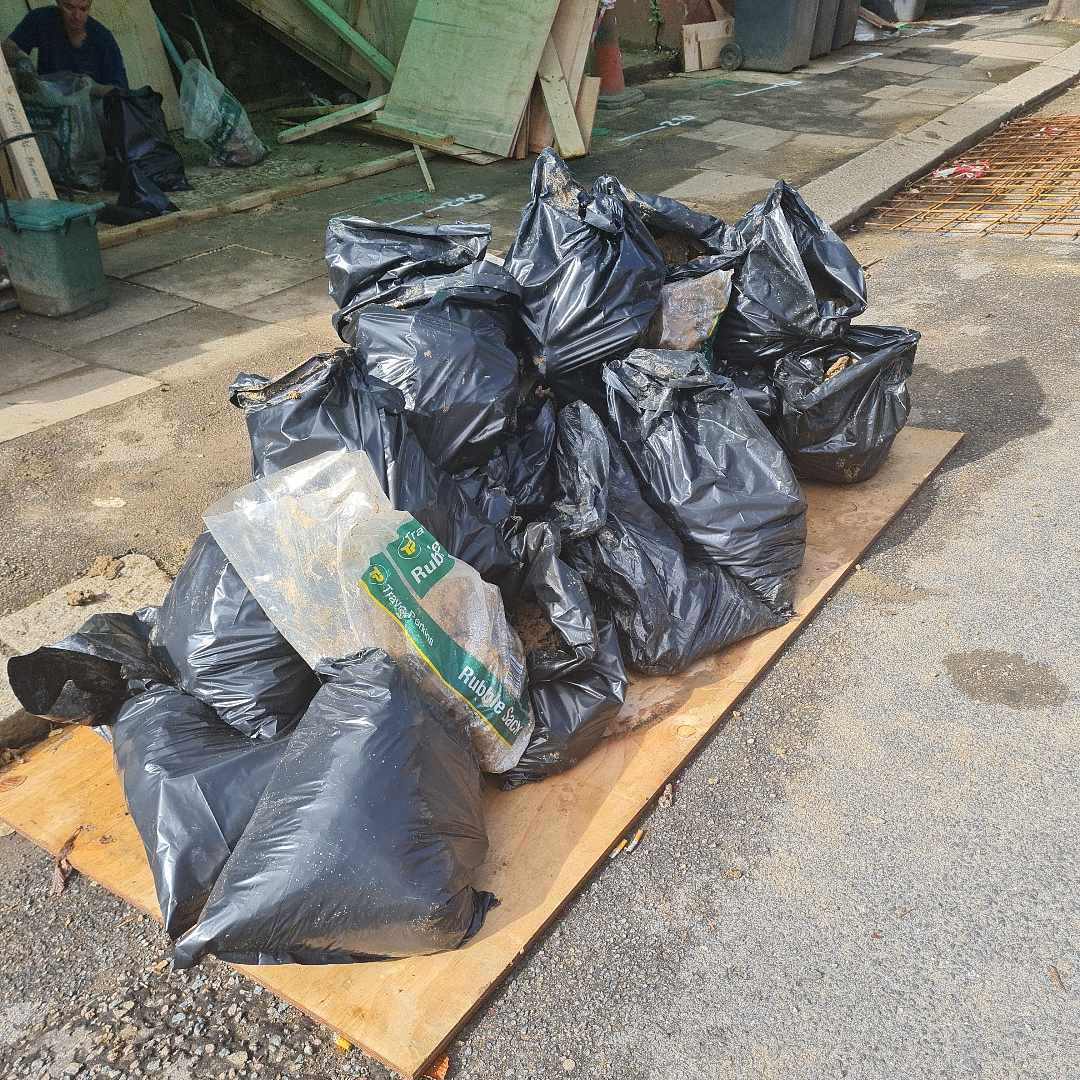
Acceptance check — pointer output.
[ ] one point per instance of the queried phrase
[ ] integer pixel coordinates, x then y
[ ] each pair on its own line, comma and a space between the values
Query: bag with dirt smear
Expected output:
709, 466
365, 841
796, 286
590, 274
843, 404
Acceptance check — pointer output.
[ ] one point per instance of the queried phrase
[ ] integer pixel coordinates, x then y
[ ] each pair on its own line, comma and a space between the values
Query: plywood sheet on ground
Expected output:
467, 69
545, 838
132, 24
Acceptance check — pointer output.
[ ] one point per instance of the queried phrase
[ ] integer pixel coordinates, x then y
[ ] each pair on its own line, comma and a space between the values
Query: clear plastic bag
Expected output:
62, 104
338, 570
214, 117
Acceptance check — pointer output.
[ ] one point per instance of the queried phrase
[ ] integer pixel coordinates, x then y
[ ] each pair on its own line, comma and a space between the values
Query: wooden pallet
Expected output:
546, 839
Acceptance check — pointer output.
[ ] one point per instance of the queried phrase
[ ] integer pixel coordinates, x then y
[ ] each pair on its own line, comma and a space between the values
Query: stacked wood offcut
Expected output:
475, 79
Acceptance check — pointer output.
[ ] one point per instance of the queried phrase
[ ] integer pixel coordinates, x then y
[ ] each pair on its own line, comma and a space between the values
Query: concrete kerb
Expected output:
851, 190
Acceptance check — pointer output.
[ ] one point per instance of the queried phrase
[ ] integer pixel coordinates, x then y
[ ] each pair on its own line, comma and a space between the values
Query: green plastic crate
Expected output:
52, 255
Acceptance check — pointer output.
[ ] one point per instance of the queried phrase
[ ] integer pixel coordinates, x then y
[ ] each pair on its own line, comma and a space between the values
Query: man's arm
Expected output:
114, 74
27, 35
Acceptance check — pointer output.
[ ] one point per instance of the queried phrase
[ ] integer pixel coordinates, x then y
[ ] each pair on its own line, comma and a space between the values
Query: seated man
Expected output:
67, 39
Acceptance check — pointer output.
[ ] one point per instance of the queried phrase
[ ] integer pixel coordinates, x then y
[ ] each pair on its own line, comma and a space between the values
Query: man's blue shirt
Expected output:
98, 56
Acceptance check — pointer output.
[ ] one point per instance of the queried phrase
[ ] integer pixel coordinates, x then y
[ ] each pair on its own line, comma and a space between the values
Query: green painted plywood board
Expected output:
468, 68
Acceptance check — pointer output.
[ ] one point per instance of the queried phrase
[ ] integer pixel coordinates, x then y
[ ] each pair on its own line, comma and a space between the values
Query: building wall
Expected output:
635, 29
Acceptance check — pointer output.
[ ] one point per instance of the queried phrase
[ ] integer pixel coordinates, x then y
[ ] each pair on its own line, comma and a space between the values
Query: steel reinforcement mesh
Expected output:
1024, 180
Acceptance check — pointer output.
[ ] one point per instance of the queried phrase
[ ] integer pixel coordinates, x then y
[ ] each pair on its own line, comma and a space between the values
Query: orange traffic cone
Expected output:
614, 93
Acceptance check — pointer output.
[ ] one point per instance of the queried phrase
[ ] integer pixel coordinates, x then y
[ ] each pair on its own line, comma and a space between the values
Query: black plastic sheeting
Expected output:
401, 265
327, 404
364, 843
191, 784
574, 701
455, 360
668, 610
217, 644
590, 274
136, 135
796, 285
840, 429
83, 679
709, 466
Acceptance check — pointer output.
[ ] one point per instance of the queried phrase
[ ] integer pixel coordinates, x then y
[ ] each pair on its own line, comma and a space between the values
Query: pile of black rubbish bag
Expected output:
609, 427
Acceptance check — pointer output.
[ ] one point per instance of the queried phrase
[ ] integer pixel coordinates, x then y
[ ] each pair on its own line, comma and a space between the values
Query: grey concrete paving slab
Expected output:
907, 67
308, 298
152, 348
139, 256
23, 363
31, 408
130, 305
709, 186
228, 278
733, 133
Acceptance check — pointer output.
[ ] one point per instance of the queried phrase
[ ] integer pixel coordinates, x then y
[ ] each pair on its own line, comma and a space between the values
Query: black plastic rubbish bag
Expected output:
757, 386
135, 134
518, 478
139, 197
83, 679
668, 611
191, 784
668, 219
364, 844
217, 644
590, 274
573, 703
797, 285
708, 465
843, 404
326, 404
454, 359
400, 265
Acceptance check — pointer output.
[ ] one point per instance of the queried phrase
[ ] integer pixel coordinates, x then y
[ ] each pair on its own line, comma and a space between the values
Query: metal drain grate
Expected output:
1031, 186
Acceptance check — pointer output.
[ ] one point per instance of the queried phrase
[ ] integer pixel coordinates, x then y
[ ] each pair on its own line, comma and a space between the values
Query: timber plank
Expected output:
588, 97
24, 161
572, 33
559, 104
331, 120
468, 68
545, 839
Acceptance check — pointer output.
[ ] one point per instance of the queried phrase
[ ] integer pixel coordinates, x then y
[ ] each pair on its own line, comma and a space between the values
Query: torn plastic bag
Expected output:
668, 611
326, 404
669, 220
215, 118
708, 465
454, 359
518, 478
590, 274
83, 679
322, 537
843, 404
191, 784
365, 842
797, 285
217, 644
692, 298
400, 265
135, 134
573, 704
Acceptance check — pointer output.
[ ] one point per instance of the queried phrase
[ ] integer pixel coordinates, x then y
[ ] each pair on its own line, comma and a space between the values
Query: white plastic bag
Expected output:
338, 570
214, 117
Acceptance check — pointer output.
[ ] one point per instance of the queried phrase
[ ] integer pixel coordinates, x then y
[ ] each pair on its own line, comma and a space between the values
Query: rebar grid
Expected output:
1031, 188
